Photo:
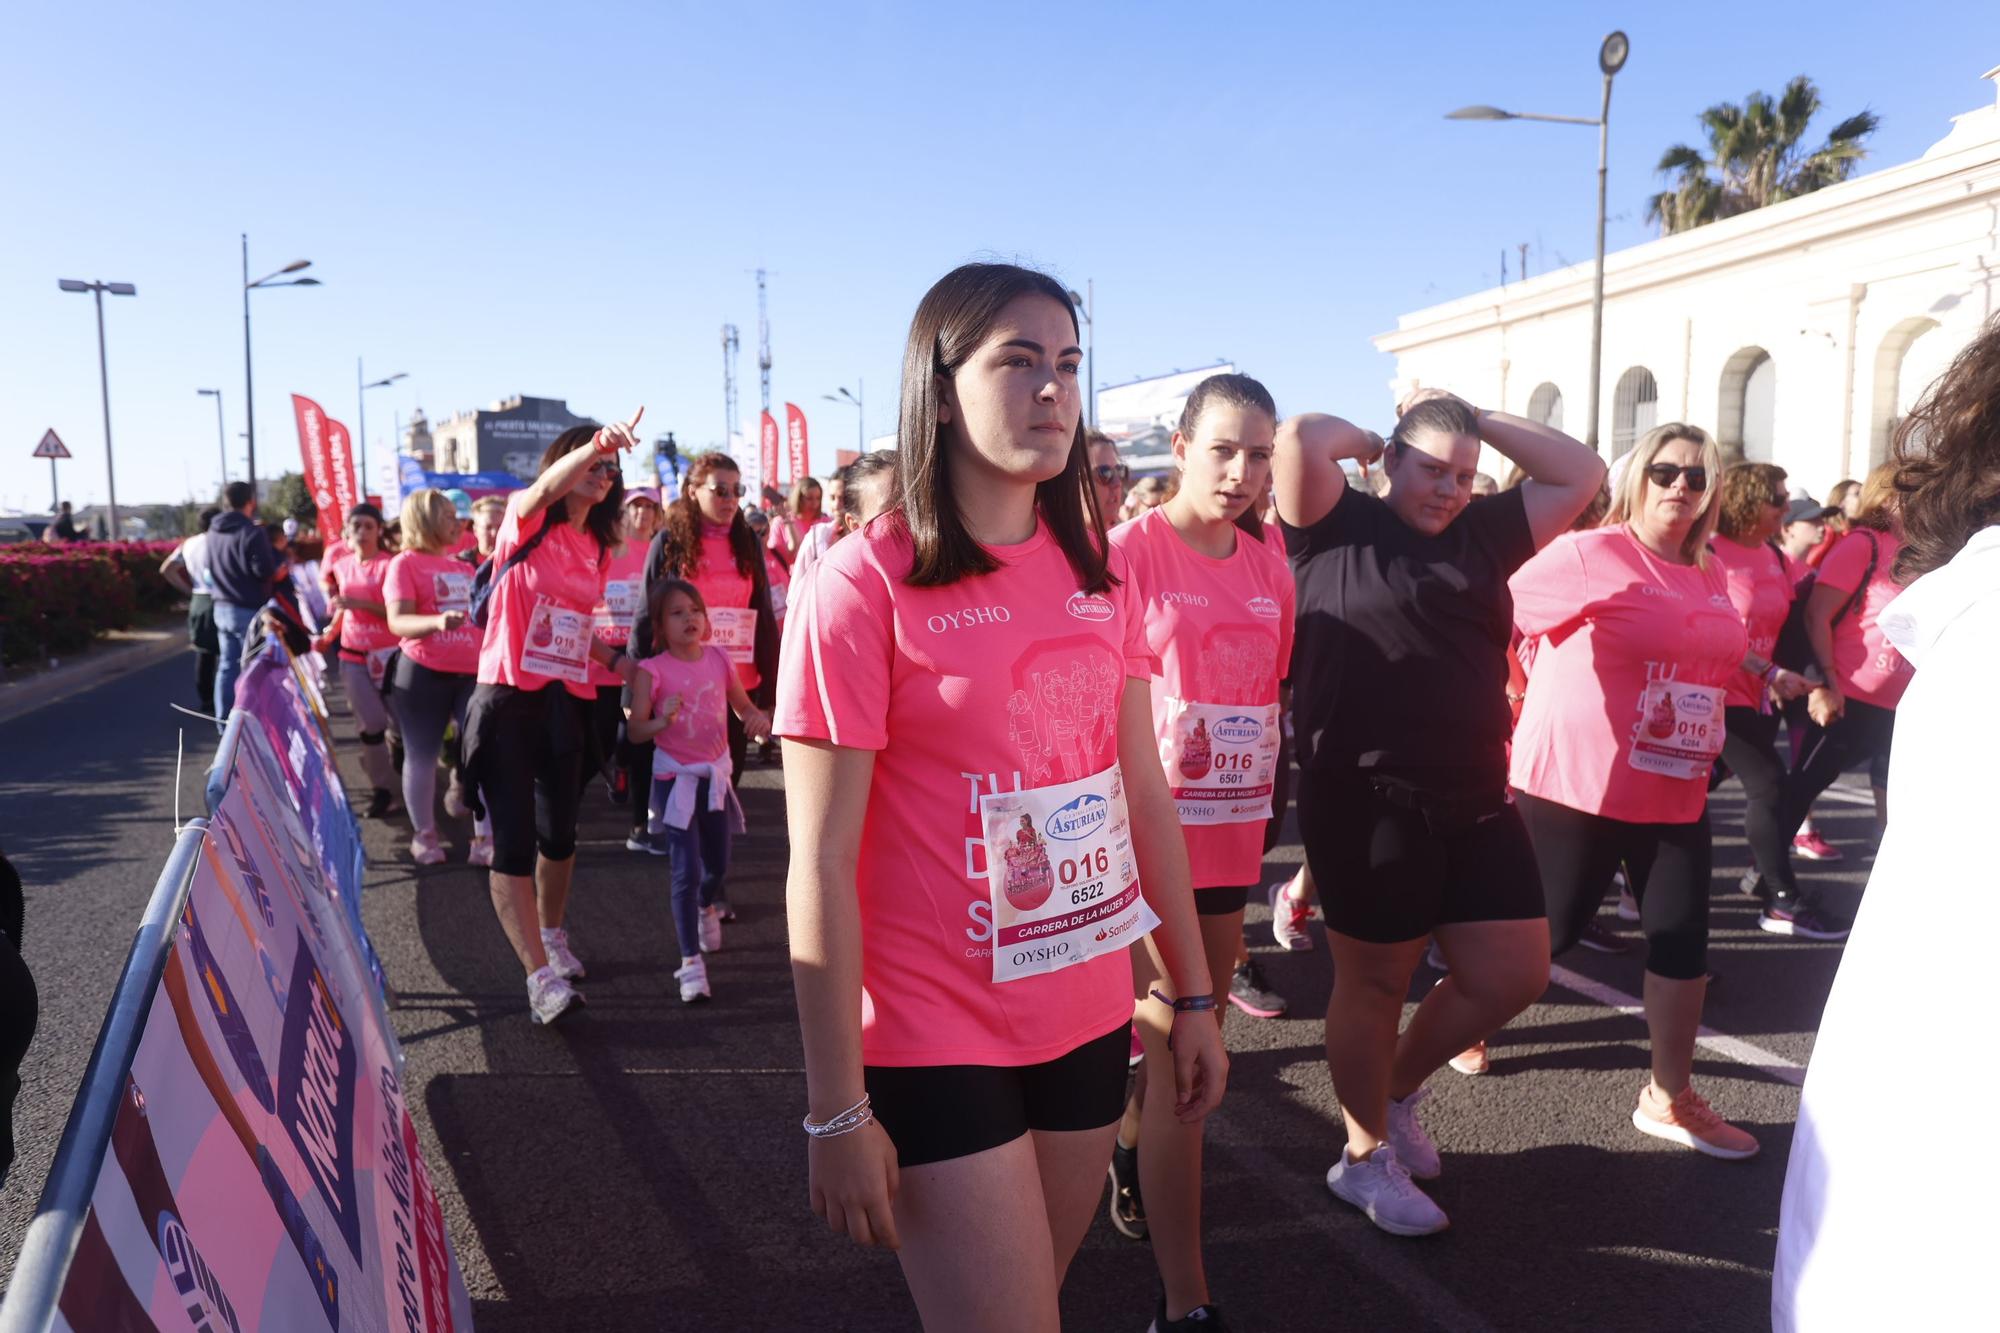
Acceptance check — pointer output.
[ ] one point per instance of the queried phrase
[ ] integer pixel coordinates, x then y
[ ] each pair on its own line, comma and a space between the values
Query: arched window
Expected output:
1911, 357
1635, 409
1747, 419
1545, 405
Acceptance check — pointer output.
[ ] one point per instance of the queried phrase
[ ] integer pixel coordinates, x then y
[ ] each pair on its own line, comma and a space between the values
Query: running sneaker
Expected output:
724, 912
1599, 939
1628, 906
1380, 1186
1128, 1211
1289, 916
709, 927
1691, 1122
692, 975
425, 851
1812, 847
555, 943
1203, 1317
1413, 1146
638, 840
1249, 992
480, 853
549, 996
1472, 1061
1792, 916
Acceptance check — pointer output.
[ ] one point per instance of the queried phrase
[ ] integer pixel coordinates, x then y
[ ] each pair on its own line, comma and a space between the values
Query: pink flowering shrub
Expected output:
55, 599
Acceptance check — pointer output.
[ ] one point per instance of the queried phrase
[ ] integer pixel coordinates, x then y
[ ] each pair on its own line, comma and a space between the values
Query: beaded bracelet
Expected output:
853, 1118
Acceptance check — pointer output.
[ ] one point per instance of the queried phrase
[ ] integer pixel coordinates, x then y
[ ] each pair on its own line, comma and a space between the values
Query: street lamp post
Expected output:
854, 400
1611, 58
361, 409
98, 289
249, 395
221, 440
1087, 299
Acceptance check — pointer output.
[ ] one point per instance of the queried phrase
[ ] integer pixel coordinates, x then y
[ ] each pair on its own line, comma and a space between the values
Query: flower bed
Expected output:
55, 599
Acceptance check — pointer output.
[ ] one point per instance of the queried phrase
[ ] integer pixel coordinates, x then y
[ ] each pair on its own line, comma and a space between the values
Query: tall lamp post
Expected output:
98, 289
221, 440
1087, 300
249, 395
1610, 59
361, 409
853, 400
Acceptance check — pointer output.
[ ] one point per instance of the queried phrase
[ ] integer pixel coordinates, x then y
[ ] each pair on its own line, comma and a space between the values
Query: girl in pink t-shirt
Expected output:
366, 644
680, 704
1218, 609
969, 658
527, 730
1622, 725
788, 529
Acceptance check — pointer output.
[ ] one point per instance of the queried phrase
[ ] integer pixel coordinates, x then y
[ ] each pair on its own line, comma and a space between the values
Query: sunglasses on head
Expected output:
1108, 472
739, 490
1664, 475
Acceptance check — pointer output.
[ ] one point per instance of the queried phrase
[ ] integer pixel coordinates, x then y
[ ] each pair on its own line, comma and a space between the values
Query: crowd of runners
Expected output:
1039, 725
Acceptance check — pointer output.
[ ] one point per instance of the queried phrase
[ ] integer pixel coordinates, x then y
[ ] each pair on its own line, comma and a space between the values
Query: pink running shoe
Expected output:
1815, 848
1472, 1060
1691, 1122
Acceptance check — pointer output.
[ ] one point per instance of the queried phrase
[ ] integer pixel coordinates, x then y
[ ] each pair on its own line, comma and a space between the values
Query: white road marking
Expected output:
1721, 1043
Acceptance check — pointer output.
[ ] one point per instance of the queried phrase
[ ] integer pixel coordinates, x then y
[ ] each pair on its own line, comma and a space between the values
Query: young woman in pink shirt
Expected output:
623, 602
366, 644
1624, 719
980, 828
1400, 713
1218, 607
804, 511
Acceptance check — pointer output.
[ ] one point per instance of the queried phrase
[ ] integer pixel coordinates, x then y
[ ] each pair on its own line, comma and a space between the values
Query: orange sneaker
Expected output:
1471, 1060
1691, 1122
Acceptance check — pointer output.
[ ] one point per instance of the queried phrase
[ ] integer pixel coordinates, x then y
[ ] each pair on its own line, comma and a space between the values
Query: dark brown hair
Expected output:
1948, 459
683, 522
951, 322
1235, 391
656, 605
602, 520
1747, 489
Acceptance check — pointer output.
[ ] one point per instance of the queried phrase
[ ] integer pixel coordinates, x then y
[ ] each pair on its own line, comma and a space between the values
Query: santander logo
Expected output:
1267, 607
1090, 606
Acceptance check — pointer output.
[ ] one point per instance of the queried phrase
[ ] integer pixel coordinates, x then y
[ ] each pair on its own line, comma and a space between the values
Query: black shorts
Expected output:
524, 757
934, 1113
1389, 873
1220, 900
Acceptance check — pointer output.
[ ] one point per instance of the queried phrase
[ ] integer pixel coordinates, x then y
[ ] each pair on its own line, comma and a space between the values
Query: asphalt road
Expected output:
639, 1166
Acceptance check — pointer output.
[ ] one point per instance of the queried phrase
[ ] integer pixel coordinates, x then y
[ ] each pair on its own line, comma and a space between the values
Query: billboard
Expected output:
1131, 412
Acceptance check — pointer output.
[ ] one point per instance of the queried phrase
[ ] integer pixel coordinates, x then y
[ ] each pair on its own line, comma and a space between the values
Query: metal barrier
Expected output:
51, 1240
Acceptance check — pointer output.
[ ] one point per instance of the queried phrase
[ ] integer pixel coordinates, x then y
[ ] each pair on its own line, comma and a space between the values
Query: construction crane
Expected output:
729, 345
763, 343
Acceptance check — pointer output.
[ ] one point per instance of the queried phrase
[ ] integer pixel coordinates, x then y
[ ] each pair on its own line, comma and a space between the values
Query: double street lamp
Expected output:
361, 409
853, 400
221, 440
249, 395
98, 289
1610, 59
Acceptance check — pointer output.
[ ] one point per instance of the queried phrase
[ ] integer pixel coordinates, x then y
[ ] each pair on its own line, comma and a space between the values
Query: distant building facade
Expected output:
1799, 334
506, 437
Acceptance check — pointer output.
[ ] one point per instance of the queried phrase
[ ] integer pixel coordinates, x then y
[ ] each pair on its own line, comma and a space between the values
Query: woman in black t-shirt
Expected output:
1399, 680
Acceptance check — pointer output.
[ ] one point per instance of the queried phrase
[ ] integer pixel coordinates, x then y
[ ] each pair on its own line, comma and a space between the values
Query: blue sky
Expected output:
569, 201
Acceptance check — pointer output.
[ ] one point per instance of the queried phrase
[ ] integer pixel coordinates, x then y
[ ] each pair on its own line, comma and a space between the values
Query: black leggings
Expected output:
1668, 866
528, 749
1750, 751
1864, 731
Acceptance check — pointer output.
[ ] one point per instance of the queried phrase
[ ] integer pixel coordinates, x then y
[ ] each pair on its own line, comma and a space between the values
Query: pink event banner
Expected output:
795, 436
316, 454
344, 485
767, 452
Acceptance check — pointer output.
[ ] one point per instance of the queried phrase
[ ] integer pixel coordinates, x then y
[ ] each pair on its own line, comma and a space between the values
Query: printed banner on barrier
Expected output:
265, 1172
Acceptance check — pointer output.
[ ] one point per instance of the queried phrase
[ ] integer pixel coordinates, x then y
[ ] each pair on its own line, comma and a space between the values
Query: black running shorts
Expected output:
934, 1113
1221, 900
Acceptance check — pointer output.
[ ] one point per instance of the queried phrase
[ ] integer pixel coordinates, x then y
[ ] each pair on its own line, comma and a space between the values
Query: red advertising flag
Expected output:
317, 457
767, 451
795, 436
342, 454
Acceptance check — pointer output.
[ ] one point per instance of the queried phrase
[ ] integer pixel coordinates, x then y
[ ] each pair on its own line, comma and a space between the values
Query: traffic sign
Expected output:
51, 447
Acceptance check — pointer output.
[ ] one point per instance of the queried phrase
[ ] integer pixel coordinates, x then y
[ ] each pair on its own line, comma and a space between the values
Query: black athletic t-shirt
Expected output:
1400, 661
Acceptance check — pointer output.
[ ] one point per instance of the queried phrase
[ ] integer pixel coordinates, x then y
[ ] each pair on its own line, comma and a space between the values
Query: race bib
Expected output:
733, 629
453, 591
557, 643
1061, 875
378, 664
1680, 730
778, 592
1221, 760
622, 600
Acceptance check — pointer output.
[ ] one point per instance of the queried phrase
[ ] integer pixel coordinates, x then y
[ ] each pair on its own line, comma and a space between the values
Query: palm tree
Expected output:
1755, 158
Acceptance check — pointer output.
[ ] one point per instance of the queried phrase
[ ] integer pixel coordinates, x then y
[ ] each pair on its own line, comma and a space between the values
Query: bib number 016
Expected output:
1090, 863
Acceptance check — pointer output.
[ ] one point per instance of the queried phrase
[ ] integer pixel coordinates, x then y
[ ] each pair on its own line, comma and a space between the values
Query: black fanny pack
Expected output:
1444, 813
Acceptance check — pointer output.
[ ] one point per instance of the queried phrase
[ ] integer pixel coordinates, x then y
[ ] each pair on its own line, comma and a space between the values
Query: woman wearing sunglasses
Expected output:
1108, 475
1623, 721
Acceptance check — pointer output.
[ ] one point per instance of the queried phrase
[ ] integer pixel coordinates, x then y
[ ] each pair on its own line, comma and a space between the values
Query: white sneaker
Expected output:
1413, 1146
549, 996
693, 978
480, 853
1288, 918
1628, 906
709, 928
425, 851
1380, 1187
555, 943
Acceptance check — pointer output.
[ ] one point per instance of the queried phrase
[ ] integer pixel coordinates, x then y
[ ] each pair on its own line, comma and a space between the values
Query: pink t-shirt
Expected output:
436, 583
780, 580
1760, 588
361, 632
1221, 631
699, 733
1866, 665
624, 597
567, 568
1007, 679
1614, 618
721, 584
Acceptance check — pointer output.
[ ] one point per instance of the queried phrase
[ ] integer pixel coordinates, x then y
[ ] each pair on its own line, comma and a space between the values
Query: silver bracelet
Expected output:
853, 1118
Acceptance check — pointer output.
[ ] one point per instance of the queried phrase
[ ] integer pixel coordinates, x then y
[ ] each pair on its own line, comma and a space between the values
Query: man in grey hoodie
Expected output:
241, 565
